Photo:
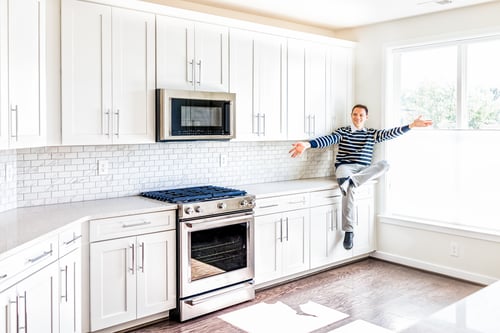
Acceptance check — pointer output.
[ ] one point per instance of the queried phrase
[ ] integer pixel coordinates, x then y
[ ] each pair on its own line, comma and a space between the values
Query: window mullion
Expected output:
462, 114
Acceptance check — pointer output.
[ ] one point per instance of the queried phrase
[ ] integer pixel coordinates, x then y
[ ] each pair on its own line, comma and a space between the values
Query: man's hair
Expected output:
360, 106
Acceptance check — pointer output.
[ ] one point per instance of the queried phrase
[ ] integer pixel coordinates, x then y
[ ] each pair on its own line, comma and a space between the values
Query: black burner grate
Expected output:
192, 194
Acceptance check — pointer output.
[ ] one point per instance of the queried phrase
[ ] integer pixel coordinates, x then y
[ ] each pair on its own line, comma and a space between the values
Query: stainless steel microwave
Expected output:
194, 115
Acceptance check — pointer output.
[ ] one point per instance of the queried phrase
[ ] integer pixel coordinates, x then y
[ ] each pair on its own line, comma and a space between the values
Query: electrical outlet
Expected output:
454, 249
222, 160
102, 167
9, 173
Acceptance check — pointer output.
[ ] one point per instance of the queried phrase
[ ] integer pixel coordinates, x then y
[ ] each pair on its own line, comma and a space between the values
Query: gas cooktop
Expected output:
194, 194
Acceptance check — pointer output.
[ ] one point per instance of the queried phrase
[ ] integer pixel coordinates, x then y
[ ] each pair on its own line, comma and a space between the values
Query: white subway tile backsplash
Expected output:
49, 175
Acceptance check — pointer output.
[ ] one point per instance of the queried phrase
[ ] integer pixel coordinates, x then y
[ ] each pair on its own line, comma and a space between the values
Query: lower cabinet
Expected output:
365, 222
131, 278
327, 236
281, 245
31, 305
70, 292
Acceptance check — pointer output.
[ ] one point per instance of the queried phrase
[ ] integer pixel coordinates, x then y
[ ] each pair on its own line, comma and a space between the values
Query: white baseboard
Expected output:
439, 269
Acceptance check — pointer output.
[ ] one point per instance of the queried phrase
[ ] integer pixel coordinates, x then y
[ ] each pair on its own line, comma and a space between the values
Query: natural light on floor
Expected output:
280, 317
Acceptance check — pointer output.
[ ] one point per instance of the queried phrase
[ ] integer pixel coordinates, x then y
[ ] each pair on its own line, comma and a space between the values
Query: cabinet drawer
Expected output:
326, 197
130, 225
284, 203
70, 239
28, 261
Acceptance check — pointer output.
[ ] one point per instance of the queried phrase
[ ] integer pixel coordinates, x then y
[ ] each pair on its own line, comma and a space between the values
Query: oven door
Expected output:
215, 253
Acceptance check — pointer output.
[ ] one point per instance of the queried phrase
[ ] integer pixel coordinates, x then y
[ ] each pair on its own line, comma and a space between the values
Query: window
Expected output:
448, 173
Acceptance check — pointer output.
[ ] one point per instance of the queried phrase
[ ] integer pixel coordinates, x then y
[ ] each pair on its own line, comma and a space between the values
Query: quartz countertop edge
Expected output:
273, 189
21, 227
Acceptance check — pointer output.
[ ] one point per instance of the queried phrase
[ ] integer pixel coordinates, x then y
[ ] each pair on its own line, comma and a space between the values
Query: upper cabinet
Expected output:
22, 73
258, 77
108, 74
309, 89
191, 55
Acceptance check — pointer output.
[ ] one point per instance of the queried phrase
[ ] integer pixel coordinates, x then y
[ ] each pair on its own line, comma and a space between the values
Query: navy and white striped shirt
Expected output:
356, 146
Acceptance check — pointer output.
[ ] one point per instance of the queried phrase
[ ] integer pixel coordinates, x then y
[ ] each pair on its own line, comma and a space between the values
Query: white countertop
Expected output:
266, 190
19, 227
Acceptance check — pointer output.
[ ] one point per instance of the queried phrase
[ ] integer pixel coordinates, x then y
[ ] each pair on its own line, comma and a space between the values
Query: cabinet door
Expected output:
174, 53
26, 59
70, 292
365, 219
212, 57
342, 85
295, 234
296, 72
156, 284
269, 86
268, 247
86, 73
133, 65
316, 90
8, 312
327, 235
112, 282
241, 82
37, 301
4, 101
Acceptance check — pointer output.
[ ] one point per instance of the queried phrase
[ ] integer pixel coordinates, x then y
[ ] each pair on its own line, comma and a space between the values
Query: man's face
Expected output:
359, 117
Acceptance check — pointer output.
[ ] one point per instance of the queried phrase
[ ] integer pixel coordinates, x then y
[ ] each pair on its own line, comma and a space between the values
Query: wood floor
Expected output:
381, 293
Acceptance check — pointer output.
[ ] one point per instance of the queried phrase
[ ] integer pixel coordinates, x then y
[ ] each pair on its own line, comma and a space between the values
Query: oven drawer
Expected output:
283, 203
326, 197
130, 225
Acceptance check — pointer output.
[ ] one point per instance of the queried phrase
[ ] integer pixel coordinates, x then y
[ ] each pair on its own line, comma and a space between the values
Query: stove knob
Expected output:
189, 210
244, 203
221, 205
198, 209
252, 202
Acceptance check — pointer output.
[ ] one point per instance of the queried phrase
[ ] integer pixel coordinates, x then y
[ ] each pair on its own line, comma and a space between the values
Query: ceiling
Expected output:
338, 14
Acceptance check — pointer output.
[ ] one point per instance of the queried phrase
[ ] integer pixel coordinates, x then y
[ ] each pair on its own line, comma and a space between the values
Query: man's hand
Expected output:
419, 122
298, 148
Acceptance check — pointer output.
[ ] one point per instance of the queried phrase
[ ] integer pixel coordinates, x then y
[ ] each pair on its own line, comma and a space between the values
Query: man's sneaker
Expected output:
348, 237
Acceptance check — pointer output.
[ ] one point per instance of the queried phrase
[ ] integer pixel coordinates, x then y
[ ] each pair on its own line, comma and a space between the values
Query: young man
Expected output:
353, 165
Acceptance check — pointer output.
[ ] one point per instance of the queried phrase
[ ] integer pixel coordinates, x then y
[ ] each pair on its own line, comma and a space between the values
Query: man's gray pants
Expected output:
353, 176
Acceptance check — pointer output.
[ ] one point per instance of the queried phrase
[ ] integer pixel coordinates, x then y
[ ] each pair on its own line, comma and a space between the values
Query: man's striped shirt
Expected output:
356, 146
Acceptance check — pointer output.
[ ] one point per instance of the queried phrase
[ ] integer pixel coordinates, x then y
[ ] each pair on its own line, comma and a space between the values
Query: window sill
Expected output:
441, 227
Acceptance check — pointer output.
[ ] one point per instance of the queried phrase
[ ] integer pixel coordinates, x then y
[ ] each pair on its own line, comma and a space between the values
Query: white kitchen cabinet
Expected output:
309, 83
70, 280
281, 245
341, 92
191, 55
257, 75
22, 73
131, 277
364, 236
31, 304
108, 74
326, 229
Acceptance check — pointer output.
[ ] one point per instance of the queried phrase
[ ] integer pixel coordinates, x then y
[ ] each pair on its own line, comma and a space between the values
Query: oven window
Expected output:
219, 250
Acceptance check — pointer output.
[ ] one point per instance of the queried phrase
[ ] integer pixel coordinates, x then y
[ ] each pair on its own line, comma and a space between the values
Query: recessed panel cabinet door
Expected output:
86, 73
70, 298
296, 241
26, 70
268, 248
112, 282
156, 287
133, 65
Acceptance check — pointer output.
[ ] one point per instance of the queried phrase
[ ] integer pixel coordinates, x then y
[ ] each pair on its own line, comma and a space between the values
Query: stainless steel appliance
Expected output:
194, 115
215, 243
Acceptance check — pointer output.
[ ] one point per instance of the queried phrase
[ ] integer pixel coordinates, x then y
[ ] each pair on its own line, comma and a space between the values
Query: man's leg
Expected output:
369, 173
348, 217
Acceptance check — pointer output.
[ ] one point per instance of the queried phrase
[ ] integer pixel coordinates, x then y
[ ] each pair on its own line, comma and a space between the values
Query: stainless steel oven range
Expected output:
215, 247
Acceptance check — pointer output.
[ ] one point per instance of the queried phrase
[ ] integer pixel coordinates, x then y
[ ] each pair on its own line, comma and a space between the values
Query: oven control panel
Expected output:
217, 206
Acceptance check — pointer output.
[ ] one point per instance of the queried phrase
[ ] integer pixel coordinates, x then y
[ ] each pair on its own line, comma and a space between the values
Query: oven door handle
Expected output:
216, 221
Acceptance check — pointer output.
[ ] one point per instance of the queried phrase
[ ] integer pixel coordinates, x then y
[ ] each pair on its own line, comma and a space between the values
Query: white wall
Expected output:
407, 243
